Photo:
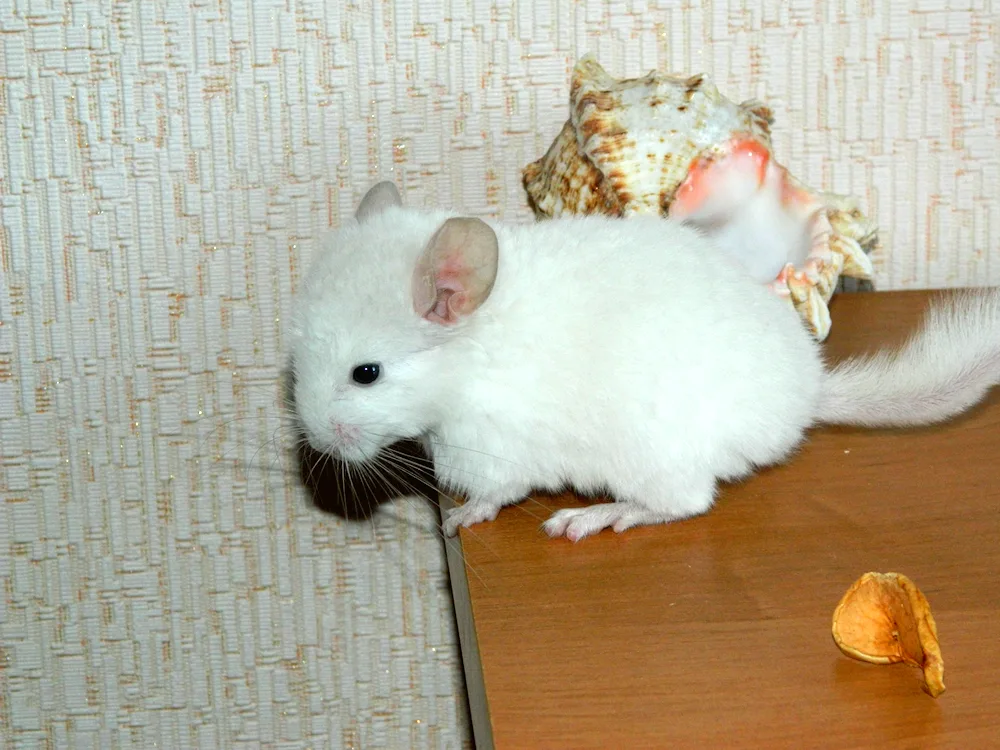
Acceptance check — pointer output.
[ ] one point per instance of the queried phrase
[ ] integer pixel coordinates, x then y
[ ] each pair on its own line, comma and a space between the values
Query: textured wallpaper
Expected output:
167, 168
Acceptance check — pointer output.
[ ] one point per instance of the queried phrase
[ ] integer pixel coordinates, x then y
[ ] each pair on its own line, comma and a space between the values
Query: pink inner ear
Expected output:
445, 304
439, 313
456, 272
450, 282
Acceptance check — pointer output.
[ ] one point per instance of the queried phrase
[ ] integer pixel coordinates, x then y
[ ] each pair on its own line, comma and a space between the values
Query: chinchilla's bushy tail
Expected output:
945, 368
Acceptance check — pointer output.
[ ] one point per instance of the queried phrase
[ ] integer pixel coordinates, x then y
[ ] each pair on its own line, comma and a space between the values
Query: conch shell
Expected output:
674, 146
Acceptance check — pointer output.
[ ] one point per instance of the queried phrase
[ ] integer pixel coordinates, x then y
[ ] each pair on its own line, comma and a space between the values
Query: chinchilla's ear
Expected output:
377, 199
456, 271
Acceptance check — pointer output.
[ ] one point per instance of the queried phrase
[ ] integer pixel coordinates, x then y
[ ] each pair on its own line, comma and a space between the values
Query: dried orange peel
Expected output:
885, 619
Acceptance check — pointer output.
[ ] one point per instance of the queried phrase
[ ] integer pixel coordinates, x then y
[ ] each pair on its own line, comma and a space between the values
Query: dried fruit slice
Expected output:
885, 619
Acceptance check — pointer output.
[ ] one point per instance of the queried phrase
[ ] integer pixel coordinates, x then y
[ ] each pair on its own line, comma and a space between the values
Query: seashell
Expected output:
674, 146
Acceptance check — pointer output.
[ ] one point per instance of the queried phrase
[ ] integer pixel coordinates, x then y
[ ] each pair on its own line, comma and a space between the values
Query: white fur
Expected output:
946, 367
629, 356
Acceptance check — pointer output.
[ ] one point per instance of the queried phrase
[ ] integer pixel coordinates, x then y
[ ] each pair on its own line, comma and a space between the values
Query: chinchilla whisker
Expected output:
413, 462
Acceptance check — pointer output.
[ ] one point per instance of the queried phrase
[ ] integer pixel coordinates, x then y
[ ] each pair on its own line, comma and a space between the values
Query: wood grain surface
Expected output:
715, 632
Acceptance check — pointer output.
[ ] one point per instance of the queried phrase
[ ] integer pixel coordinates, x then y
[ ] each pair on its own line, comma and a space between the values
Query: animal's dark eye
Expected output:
366, 374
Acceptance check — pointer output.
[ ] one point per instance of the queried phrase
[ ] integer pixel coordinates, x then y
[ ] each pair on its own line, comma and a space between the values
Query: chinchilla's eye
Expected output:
366, 374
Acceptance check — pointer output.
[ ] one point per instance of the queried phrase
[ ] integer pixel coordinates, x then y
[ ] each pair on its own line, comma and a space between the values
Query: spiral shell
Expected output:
632, 146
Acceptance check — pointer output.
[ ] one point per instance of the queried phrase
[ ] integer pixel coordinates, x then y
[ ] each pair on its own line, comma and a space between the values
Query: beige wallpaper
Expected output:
166, 169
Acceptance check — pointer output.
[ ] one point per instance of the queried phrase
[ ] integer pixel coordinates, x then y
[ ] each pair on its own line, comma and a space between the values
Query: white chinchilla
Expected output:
632, 357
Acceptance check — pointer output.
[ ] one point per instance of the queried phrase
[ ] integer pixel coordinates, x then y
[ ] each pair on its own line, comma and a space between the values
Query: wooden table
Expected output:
715, 632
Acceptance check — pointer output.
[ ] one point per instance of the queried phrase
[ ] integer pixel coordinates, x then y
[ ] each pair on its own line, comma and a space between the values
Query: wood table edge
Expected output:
475, 685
